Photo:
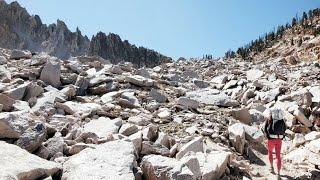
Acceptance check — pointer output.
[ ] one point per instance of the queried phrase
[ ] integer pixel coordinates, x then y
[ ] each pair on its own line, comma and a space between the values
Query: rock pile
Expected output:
78, 119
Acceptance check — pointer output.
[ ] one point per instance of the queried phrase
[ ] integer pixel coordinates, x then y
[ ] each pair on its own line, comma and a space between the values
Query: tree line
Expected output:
306, 21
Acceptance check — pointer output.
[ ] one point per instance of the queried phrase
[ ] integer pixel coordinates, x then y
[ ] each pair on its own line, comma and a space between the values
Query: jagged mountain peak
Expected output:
20, 30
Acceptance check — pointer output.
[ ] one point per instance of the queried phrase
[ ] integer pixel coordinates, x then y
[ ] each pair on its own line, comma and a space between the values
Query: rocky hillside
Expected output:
297, 41
85, 118
19, 30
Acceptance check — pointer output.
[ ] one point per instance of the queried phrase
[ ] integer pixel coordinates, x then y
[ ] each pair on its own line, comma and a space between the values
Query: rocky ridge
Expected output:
90, 119
20, 30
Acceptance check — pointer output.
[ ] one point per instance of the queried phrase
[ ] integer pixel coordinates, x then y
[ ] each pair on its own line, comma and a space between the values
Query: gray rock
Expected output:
102, 126
230, 84
33, 90
136, 139
212, 97
3, 60
195, 145
83, 84
254, 74
237, 137
140, 81
200, 83
140, 120
99, 80
131, 100
7, 102
112, 160
298, 140
256, 116
209, 166
156, 95
21, 106
51, 73
220, 79
32, 138
55, 145
13, 125
19, 54
153, 148
163, 139
17, 163
143, 72
313, 135
45, 103
302, 118
242, 115
190, 74
164, 113
315, 91
160, 167
69, 92
187, 102
18, 92
75, 108
128, 129
77, 148
150, 133
68, 78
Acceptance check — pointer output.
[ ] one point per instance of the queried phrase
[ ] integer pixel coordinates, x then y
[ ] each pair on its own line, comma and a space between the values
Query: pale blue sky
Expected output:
188, 28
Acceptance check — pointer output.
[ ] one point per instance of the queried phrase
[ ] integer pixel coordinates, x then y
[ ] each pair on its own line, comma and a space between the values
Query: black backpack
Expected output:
278, 126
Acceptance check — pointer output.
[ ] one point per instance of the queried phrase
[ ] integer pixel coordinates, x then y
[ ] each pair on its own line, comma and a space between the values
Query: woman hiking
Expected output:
274, 130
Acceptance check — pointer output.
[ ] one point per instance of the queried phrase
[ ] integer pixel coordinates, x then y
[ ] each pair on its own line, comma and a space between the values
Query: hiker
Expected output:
274, 130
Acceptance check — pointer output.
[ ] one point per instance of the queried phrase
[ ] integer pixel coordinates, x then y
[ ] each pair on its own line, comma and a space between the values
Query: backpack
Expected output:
278, 126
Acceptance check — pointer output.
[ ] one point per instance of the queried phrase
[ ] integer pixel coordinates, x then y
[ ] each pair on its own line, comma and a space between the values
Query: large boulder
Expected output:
160, 167
158, 96
32, 138
154, 148
18, 92
113, 160
102, 127
19, 54
242, 115
254, 74
220, 79
20, 126
75, 108
140, 81
13, 125
315, 91
7, 102
54, 145
46, 102
302, 118
212, 97
33, 90
20, 164
314, 152
237, 137
187, 103
195, 145
82, 83
210, 166
51, 73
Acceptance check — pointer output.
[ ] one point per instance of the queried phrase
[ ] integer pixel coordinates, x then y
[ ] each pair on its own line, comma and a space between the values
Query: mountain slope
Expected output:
293, 42
20, 30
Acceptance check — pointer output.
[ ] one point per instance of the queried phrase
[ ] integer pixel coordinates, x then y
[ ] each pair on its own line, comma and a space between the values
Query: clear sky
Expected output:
188, 28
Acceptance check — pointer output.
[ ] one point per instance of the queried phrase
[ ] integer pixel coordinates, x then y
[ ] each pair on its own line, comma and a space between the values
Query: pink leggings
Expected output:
275, 144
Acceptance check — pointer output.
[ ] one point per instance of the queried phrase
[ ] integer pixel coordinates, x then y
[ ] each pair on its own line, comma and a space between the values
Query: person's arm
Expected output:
266, 129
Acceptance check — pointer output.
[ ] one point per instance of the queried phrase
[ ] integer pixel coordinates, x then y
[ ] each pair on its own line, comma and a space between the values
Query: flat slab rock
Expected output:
113, 161
17, 163
212, 97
